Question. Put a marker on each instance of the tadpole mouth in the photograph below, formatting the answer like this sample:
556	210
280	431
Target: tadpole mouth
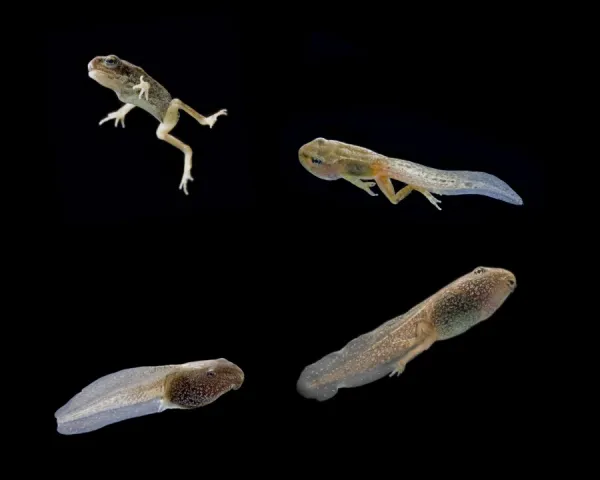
304	159
238	378
237	383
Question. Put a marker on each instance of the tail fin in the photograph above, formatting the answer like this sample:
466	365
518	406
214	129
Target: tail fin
310	384
481	183
99	417
112	398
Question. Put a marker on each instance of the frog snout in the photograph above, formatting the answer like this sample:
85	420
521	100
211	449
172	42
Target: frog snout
93	62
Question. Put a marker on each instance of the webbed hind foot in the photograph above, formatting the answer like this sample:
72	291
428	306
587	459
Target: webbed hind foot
400	366
429	197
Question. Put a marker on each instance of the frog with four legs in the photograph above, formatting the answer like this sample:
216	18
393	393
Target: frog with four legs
135	88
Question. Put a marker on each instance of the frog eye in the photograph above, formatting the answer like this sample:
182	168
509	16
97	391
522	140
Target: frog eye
317	161
110	61
479	270
211	374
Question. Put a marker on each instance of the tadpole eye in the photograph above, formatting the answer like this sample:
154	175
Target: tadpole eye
317	161
211	373
479	270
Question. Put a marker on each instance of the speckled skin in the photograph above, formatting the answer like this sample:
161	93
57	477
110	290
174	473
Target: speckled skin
121	76
333	160
135	88
193	388
139	391
386	350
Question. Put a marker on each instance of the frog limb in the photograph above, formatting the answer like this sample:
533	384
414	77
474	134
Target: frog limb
143	87
426	336
385	185
118	115
366	186
434	201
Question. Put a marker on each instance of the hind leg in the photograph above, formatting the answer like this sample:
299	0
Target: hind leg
386	186
425	337
434	201
162	132
201	119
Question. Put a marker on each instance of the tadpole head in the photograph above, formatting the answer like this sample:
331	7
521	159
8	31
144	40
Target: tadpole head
195	387
315	157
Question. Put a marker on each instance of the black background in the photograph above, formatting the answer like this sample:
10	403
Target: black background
270	267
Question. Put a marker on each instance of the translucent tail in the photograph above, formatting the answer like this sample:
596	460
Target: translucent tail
100	417
113	398
481	183
310	384
322	379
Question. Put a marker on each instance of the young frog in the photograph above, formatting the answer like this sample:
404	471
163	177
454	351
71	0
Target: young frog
135	88
333	160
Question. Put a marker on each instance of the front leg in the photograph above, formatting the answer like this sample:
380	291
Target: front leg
143	87
366	186
385	185
425	337
119	115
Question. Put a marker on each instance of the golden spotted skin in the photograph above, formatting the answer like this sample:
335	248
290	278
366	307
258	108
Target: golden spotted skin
386	350
121	76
